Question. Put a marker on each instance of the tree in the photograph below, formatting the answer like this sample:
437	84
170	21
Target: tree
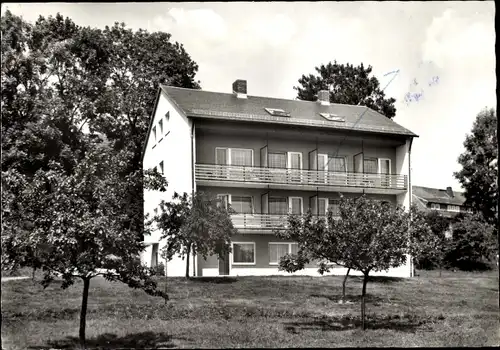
474	245
196	224
369	236
434	245
75	224
139	62
479	173
348	85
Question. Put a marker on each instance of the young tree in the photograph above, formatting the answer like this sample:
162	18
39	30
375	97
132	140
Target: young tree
74	223
347	84
473	246
369	236
196	224
479	173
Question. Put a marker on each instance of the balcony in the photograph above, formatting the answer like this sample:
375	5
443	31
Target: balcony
262	177
259	223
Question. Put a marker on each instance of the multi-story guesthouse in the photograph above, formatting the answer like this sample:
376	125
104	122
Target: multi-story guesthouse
267	157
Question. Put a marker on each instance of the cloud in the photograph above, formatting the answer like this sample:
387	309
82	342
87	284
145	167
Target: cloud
197	23
451	38
276	30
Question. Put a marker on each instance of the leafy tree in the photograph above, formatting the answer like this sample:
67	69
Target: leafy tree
75	224
347	84
434	246
479	173
369	236
139	62
196	224
473	246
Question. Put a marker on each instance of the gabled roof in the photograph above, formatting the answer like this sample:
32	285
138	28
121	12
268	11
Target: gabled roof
218	105
436	195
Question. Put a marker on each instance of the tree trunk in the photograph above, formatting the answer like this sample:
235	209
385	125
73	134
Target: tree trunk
187	260
363	296
83	311
343	284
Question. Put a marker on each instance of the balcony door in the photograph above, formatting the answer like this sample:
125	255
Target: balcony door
277	166
384	169
295	166
338	166
370	169
295	205
322	168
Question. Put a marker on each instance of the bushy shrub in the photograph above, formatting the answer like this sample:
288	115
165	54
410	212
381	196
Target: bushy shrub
473	246
158	270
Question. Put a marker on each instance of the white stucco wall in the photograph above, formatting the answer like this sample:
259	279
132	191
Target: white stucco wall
173	147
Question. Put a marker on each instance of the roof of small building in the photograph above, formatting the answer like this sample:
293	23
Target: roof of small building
437	195
207	104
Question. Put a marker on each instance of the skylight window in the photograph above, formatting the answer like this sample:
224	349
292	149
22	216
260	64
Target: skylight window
277	112
332	117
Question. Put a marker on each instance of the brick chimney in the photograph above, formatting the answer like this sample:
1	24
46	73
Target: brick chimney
324	97
240	88
449	191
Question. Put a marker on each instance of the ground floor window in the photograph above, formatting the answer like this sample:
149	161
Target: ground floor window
244	253
278	250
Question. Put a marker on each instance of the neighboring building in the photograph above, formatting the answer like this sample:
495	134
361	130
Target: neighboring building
447	202
266	157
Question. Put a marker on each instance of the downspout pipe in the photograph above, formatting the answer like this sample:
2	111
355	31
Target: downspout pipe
412	266
195	263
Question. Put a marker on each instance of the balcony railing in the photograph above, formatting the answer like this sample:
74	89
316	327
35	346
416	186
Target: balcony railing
262	222
263	175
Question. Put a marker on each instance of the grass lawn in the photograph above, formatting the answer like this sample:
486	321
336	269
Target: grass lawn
458	309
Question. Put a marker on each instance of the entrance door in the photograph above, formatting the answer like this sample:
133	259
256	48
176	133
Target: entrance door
224	265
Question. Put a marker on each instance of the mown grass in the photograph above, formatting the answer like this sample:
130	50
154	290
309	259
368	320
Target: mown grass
458	309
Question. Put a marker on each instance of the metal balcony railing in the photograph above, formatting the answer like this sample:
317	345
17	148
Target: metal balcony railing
263	175
261	221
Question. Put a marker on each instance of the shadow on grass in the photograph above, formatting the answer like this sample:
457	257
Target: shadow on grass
112	341
406	323
355	298
216	279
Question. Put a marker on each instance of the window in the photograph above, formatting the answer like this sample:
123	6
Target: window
277	160
337	164
242	157
242	204
167	116
370	165
154	169
154	134
453	208
295	205
277	112
279	250
233	156
160	124
334	206
277	205
224	200
435	206
161	167
244	253
322	206
332	117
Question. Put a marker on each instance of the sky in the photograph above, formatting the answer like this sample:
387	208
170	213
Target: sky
444	51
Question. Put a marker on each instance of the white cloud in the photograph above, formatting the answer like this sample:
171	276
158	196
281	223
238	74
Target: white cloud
198	23
451	38
276	30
